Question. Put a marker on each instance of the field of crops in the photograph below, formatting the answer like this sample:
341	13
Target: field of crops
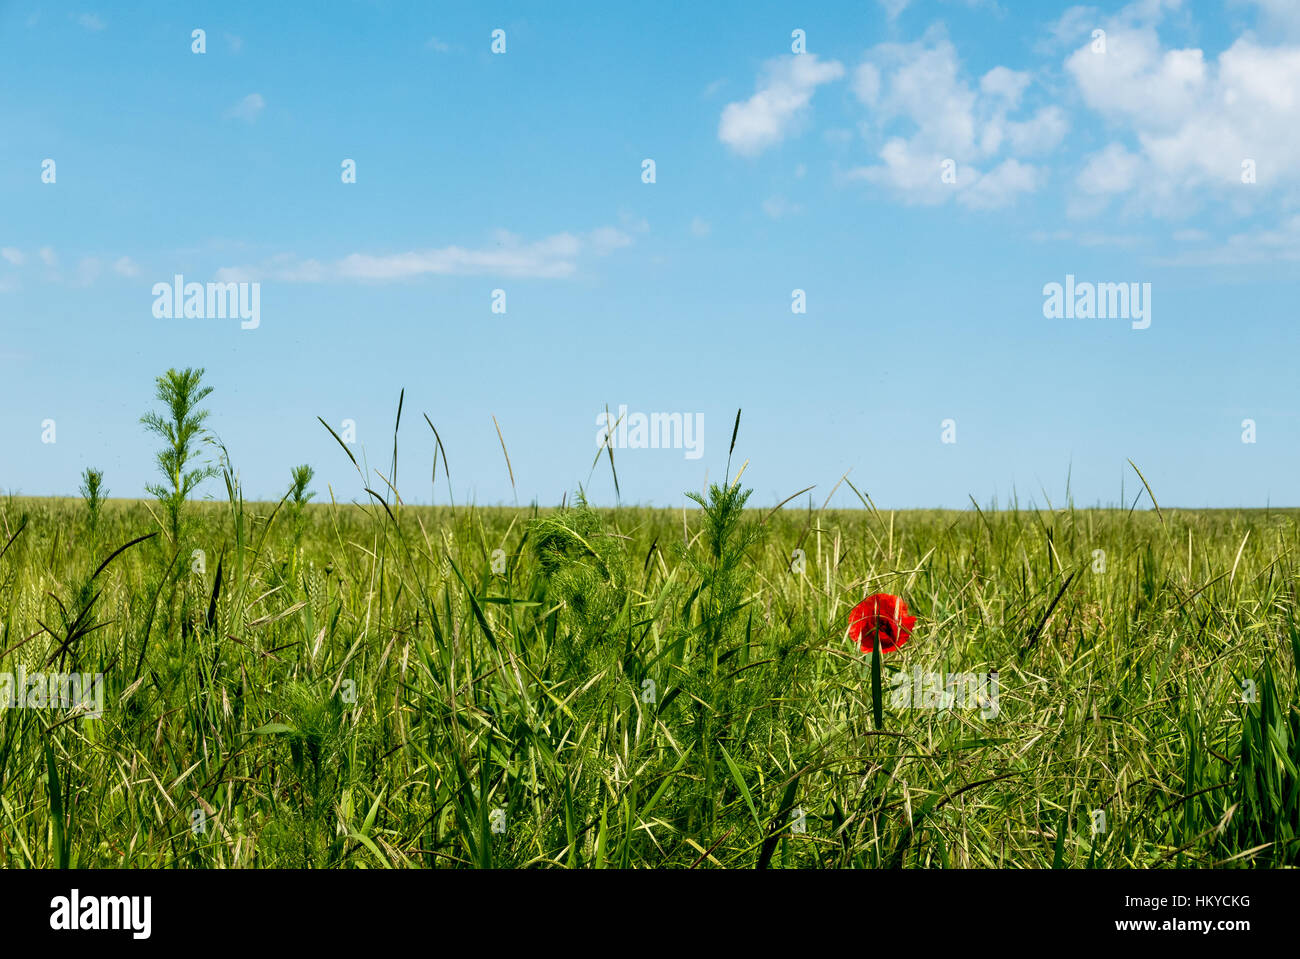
380	685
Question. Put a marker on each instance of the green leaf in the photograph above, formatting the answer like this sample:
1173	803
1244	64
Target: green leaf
271	729
740	784
58	824
601	838
877	698
774	827
1058	855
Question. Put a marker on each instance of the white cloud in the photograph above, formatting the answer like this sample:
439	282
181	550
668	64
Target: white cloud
894	7
1074	24
1280	243
1111	170
1134	79
779	104
247	109
1005	83
1040	133
606	239
1000	186
1191	121
932	119
632	223
913	173
866	83
436	45
778	207
919	83
1276	16
91	21
553	257
88	270
700	227
917	179
284	268
1121	241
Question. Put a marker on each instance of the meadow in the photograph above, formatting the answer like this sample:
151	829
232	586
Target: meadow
380	685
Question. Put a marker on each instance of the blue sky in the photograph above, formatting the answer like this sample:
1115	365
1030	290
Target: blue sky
775	171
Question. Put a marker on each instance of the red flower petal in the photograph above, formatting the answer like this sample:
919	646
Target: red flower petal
883	617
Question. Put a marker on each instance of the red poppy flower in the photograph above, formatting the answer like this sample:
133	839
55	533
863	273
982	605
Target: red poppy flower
880	615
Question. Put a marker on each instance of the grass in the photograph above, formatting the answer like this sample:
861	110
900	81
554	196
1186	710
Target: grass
330	685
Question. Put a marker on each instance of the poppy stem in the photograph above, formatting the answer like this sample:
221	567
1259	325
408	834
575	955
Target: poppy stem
877	700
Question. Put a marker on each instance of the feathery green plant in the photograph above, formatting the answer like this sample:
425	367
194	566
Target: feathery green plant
299	496
94	493
180	426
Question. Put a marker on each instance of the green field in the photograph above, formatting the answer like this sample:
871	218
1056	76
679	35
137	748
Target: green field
381	685
356	686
